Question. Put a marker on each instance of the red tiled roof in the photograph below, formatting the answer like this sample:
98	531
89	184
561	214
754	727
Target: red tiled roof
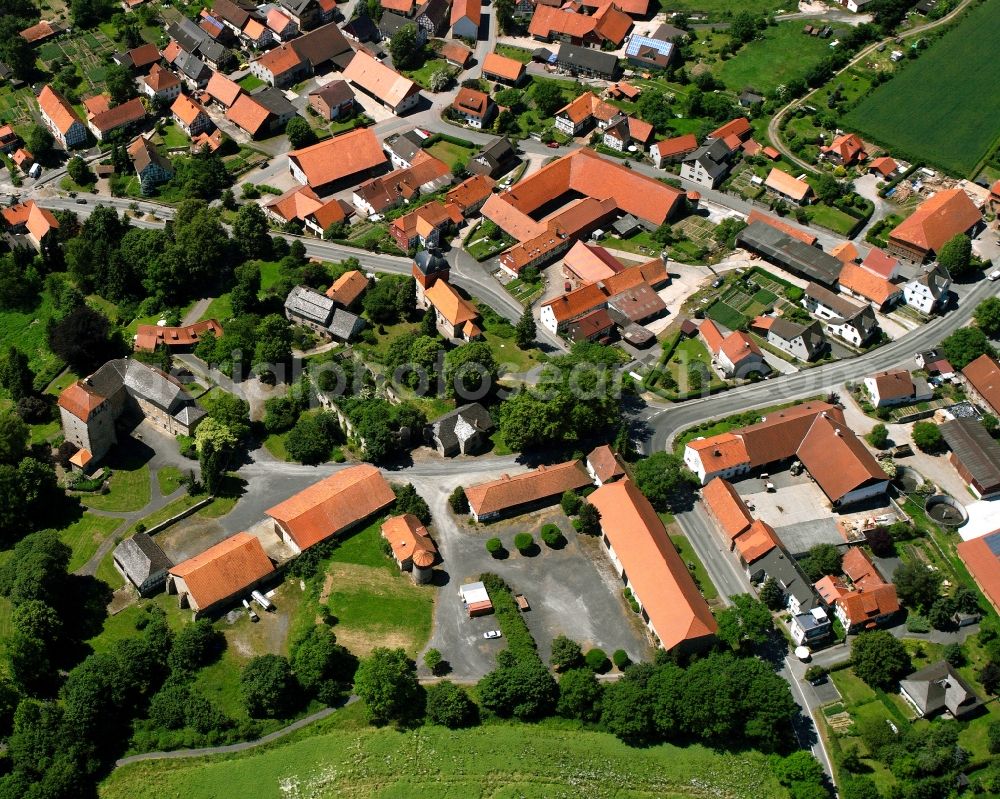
936	220
511	492
80	400
471	9
503	67
859	280
348	287
756	542
740	127
224	570
984	375
983	564
782	182
679	145
56	108
223	89
784	227
837	459
147	337
727	507
333	504
656	573
409	539
339	157
124	114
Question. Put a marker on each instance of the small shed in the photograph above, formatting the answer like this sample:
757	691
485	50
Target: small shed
141	561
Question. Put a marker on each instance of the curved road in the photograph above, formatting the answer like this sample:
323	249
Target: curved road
664	422
773	129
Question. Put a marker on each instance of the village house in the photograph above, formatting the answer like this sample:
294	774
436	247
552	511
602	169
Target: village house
29	219
382	83
708	165
845	150
982	383
332	506
470	195
896	387
183	338
495	160
603	465
346	291
856	324
736	354
60	118
456	317
411	545
975	454
789	188
804	342
501	69
947	214
475	108
814	432
463	431
624	132
938	688
332	101
532	490
337	161
160	84
151	168
190	116
217	576
929	291
865	601
91	408
670	151
466	17
862	284
306	306
142	563
426	226
646	560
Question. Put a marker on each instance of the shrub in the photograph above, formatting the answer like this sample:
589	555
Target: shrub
552	536
523	542
621	659
597	661
495	547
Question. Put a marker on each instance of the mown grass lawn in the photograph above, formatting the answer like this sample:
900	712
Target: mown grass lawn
341	756
943	107
783	52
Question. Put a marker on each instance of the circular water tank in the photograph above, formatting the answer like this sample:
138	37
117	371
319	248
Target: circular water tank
946	511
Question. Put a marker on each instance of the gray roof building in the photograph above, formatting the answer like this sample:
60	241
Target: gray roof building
587	60
937	688
797	257
463	431
974	454
142	563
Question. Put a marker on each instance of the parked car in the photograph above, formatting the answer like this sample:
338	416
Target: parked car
492	634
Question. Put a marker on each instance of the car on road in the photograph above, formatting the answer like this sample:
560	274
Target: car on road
492	634
995	274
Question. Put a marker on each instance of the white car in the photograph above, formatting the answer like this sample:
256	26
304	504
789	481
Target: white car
492	634
994	275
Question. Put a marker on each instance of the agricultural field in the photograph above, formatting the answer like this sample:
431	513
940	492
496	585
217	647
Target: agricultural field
782	53
340	757
943	107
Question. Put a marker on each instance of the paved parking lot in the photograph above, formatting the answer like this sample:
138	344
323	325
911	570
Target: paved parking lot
572	591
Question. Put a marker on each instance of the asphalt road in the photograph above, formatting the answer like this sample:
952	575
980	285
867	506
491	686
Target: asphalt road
664	422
